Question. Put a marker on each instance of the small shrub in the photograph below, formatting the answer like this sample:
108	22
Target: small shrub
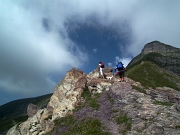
115	111
177	127
91	101
110	99
162	103
139	89
124	123
86	93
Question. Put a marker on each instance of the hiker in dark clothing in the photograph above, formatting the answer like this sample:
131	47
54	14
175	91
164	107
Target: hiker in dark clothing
121	70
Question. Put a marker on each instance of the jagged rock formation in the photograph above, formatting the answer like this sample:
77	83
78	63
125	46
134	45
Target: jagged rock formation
67	93
32	110
66	96
166	56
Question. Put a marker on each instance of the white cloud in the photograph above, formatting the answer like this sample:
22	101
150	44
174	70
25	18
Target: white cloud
31	53
155	20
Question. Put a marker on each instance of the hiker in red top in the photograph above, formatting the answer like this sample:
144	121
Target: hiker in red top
101	67
120	72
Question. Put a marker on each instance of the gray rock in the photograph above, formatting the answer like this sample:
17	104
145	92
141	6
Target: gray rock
32	110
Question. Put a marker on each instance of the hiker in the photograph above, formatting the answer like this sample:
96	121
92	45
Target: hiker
101	67
120	72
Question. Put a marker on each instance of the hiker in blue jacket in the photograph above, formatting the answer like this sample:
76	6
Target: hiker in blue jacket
120	72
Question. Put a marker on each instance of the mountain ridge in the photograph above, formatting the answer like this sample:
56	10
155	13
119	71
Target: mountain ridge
165	56
135	107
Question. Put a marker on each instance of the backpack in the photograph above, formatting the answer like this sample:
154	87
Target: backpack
102	64
120	65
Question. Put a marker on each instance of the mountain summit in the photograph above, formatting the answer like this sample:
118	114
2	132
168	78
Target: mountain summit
159	47
165	56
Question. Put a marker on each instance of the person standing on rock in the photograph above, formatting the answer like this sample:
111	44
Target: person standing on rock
120	72
101	67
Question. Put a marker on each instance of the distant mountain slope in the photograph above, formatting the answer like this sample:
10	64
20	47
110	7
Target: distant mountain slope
151	75
165	56
16	111
19	107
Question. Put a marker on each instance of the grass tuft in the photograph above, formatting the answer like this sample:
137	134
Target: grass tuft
139	89
91	100
79	127
162	103
124	122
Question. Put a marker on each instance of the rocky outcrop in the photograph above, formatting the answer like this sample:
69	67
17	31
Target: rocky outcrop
152	113
159	47
67	94
32	110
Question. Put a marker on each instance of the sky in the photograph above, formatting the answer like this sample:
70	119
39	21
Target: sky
40	40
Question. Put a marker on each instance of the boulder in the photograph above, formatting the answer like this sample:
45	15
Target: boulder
32	110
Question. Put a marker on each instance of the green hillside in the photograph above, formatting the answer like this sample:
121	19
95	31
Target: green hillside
16	111
153	57
151	75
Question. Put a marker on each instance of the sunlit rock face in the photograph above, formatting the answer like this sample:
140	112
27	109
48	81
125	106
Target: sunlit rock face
67	93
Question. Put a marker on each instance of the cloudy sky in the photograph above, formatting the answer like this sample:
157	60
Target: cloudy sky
40	40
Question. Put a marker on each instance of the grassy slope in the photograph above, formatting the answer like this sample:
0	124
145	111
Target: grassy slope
148	57
151	75
155	58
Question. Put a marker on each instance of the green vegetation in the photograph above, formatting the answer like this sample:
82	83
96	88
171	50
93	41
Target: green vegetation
177	127
79	127
147	57
162	103
115	111
90	100
8	123
153	57
139	89
19	107
151	75
124	122
5	125
110	99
